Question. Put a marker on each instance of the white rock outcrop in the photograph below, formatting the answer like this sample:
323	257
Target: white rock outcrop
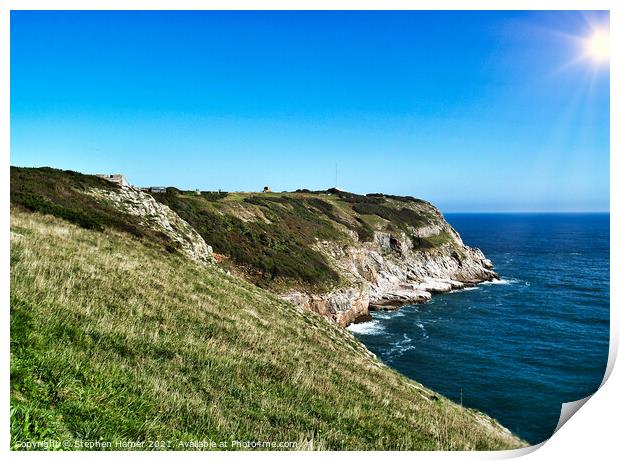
160	218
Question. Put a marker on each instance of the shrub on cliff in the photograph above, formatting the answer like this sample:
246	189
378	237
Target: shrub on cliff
276	252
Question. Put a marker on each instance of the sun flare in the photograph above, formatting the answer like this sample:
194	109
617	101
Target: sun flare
597	45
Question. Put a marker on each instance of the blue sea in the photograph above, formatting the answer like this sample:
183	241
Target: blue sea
516	349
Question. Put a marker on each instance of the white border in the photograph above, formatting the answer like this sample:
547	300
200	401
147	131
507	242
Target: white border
592	434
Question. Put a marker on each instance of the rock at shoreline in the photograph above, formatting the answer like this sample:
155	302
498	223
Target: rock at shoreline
392	272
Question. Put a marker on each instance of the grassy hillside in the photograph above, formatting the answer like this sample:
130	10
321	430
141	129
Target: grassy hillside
266	237
65	194
271	235
114	340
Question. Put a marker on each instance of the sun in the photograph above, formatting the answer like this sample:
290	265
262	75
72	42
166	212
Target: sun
597	46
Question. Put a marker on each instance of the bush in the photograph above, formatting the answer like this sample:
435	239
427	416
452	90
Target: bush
280	250
400	218
363	230
40	204
214	196
399	198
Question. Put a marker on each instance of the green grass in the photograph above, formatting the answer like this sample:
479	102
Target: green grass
400	218
113	340
438	239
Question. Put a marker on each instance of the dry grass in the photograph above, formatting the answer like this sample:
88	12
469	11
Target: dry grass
113	340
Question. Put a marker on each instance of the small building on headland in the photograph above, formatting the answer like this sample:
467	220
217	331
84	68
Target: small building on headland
266	189
119	179
155	189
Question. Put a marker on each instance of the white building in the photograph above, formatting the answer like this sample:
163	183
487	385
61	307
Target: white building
119	179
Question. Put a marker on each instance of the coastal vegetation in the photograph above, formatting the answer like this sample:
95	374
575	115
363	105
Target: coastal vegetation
272	236
114	340
65	194
269	238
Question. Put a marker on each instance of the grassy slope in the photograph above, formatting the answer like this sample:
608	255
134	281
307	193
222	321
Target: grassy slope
112	339
65	194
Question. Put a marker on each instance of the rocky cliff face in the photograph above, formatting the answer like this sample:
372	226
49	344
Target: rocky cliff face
337	253
344	306
158	217
391	271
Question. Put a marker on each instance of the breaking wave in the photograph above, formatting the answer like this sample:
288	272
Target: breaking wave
384	315
500	282
373	327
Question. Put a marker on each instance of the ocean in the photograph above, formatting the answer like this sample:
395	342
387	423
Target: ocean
518	348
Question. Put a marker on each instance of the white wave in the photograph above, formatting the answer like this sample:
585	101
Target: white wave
469	288
366	328
500	282
384	315
402	346
420	325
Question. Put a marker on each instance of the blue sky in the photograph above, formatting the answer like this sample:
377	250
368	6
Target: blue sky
475	111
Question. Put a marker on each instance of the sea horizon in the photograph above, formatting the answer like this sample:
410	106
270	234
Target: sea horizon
525	212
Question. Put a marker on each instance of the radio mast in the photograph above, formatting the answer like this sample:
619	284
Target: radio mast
336	175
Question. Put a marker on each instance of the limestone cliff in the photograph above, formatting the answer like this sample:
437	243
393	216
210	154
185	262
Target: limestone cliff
390	271
333	252
158	217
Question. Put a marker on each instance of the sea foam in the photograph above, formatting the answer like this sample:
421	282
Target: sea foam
500	282
402	346
366	328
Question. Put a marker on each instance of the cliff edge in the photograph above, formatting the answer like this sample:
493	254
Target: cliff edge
336	253
339	254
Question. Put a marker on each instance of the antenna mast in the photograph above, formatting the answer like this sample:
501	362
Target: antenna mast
336	175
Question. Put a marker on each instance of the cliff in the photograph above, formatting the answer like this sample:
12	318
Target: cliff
390	271
152	215
339	254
